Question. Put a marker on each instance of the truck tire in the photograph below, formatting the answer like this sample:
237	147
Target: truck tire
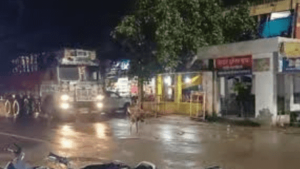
16	108
7	106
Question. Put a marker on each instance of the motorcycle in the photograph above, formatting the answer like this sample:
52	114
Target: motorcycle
18	162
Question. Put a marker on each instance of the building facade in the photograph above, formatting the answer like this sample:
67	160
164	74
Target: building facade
271	66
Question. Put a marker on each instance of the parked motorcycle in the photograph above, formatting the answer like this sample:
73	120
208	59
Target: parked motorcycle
19	163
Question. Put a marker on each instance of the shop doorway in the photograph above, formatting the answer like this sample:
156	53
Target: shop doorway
237	96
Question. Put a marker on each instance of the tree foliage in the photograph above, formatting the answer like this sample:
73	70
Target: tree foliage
162	35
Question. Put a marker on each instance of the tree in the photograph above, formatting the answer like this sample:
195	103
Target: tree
162	35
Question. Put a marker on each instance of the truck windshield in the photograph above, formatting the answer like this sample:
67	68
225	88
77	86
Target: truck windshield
68	73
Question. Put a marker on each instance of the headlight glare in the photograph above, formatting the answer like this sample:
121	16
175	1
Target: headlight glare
65	106
65	97
99	105
100	97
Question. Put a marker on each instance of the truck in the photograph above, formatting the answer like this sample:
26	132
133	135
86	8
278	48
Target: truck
55	84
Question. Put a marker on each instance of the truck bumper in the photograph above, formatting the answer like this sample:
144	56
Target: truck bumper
81	107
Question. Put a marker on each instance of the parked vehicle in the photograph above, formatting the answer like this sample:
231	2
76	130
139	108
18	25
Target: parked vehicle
18	162
53	83
114	102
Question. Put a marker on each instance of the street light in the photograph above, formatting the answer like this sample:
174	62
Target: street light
188	80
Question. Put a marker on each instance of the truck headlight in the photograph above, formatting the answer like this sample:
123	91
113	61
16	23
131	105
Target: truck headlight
64	97
64	105
100	97
99	105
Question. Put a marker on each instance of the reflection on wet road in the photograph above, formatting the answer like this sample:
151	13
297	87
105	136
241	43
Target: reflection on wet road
170	142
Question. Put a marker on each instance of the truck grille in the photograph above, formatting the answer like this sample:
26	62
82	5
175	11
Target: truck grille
84	95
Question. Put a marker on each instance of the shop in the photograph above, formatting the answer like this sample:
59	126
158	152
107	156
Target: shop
267	70
236	78
117	80
289	77
181	92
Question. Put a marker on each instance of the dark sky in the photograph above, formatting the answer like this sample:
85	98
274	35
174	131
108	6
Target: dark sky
28	26
39	25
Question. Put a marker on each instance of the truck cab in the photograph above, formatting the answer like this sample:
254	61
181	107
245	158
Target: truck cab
77	87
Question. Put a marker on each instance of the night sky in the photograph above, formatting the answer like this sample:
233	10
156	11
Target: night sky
28	26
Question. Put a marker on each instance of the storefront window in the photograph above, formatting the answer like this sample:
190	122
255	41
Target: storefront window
168	87
191	84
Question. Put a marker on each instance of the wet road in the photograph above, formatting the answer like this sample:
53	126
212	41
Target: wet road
171	142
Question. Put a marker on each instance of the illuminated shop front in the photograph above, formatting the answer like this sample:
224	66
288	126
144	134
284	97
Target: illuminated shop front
173	91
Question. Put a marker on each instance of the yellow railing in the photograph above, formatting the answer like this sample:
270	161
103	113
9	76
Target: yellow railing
173	107
177	105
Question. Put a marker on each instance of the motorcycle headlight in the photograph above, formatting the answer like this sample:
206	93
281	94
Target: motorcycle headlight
64	97
100	97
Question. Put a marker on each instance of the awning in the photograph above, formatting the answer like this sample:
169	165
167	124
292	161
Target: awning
195	81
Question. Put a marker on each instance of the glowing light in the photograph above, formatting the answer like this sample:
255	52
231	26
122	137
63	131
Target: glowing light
169	91
66	137
66	143
65	97
100	97
67	130
100	105
168	80
100	130
188	80
65	105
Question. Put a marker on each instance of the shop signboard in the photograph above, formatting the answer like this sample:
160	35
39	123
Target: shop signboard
290	49
118	68
290	64
234	66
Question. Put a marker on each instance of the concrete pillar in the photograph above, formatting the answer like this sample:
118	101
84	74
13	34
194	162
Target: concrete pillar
159	87
287	92
266	87
216	97
212	95
178	88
